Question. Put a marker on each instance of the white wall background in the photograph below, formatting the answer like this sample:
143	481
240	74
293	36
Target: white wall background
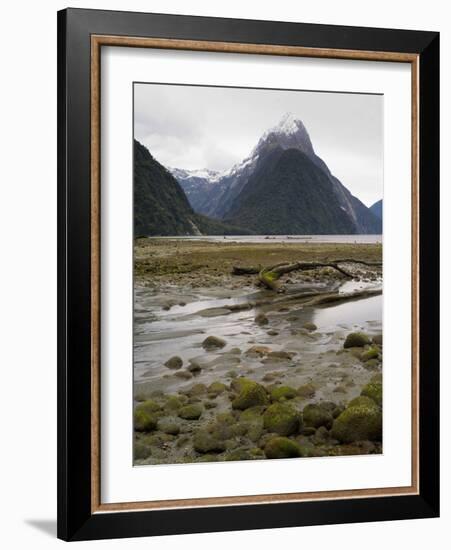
28	271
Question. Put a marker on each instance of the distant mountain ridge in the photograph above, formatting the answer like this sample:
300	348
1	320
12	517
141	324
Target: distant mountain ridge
220	195
161	206
377	209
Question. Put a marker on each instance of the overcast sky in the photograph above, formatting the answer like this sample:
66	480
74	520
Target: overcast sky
196	127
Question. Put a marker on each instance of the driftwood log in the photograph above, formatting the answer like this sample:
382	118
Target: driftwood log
269	276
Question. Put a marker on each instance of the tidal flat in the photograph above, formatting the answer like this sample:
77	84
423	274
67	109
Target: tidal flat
226	369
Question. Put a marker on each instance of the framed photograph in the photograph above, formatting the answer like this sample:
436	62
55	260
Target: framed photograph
248	274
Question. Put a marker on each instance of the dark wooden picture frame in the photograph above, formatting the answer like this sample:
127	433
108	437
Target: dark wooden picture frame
81	35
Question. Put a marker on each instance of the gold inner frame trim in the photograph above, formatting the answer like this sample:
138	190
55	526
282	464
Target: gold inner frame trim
97	41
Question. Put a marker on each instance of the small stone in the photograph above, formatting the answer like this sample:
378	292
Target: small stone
309	326
175	363
216	388
261	319
213	342
194	367
370	353
356	340
281	355
307	390
261	351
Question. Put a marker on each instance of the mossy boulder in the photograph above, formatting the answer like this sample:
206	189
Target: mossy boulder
282	418
141	450
358	423
250	394
191	412
143	421
282	393
282	447
168	426
356	340
213	342
196	390
373	390
174	362
335	409
362	400
253	414
174	403
205	442
370	353
216	388
314	416
307	390
377	339
149	406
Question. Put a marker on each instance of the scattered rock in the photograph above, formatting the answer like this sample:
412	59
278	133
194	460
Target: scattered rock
216	388
314	416
213	342
175	363
358	423
194	367
361	400
370	353
282	447
377	339
141	450
284	355
168	426
273	332
282	393
191	412
261	319
356	340
261	351
204	442
309	326
307	390
143	421
250	394
373	390
282	418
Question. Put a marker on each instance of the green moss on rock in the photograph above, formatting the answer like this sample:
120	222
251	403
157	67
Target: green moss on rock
358	423
283	392
250	394
315	415
362	400
356	340
205	442
216	388
143	421
282	418
141	450
191	412
370	353
282	447
149	406
373	390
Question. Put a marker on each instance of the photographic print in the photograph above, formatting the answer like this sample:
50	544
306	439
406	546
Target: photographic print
257	274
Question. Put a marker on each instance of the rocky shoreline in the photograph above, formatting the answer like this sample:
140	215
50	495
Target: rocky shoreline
277	379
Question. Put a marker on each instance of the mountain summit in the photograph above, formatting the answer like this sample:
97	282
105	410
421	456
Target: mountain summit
222	196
